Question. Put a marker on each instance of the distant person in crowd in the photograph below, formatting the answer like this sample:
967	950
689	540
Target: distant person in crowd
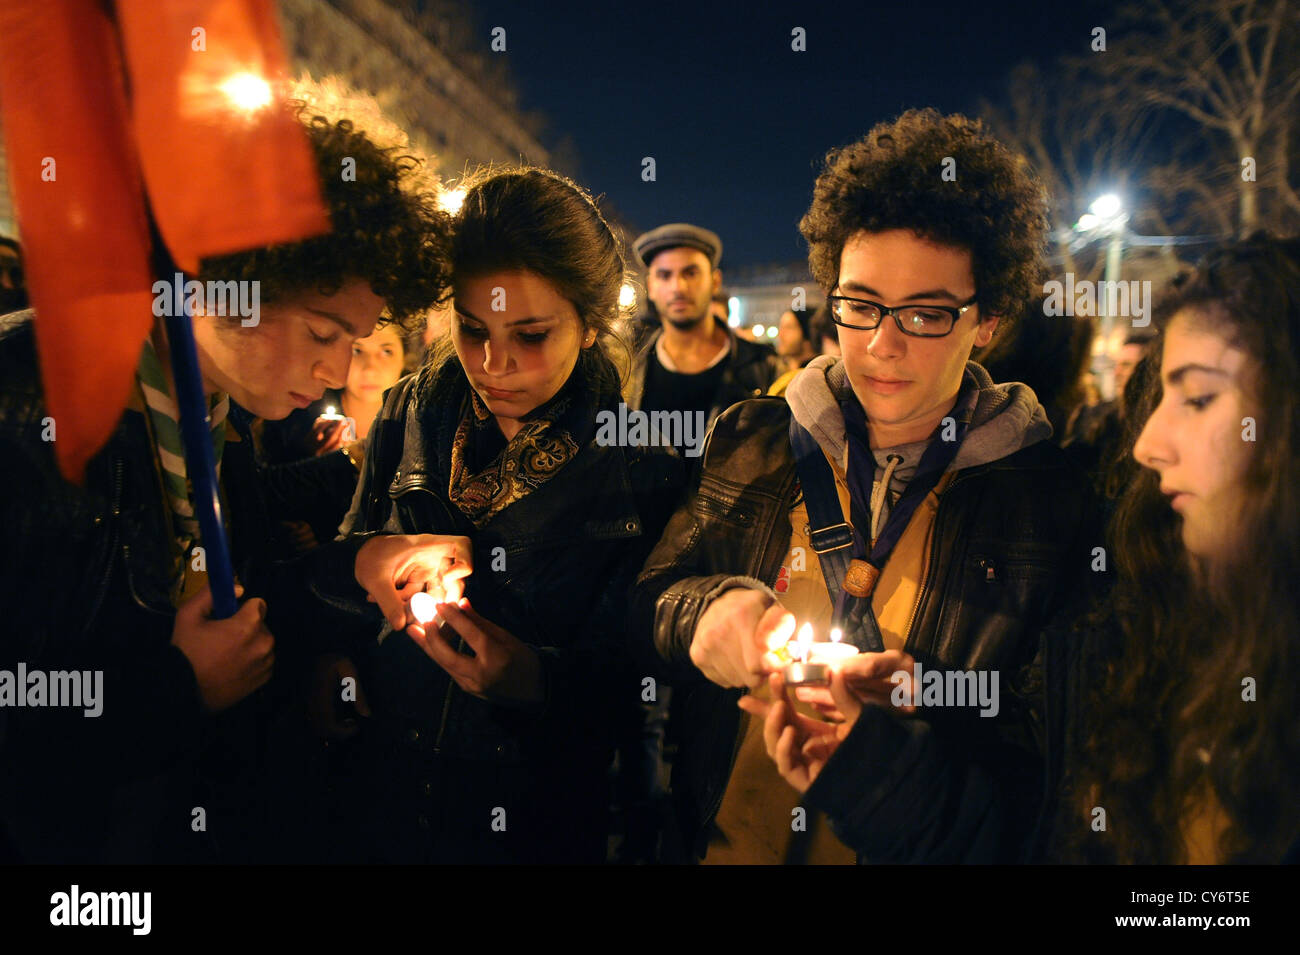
378	361
1130	353
13	288
182	723
332	431
493	731
1094	434
825	335
1088	384
1172	708
898	494
794	342
693	364
1047	353
794	345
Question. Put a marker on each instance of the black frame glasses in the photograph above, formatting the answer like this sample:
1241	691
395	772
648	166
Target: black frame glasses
834	306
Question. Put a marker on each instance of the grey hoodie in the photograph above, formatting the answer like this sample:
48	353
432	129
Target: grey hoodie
1007	418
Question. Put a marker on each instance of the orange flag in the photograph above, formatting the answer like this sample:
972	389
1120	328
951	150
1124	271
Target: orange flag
202	133
225	167
80	210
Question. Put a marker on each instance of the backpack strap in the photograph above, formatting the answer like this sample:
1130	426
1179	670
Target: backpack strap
830	535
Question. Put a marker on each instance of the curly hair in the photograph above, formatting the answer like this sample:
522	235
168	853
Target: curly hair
388	229
1165	719
892	179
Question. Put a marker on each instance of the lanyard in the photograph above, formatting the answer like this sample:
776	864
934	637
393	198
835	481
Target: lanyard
853	602
851	578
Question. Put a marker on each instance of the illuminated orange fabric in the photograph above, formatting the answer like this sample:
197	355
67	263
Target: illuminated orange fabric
80	212
219	178
225	167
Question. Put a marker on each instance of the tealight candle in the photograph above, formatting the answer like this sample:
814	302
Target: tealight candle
815	660
423	608
350	426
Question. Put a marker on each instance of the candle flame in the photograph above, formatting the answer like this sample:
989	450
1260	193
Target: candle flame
422	606
805	641
836	634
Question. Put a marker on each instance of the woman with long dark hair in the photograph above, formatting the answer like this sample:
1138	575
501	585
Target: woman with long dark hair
492	734
1170	730
1191	743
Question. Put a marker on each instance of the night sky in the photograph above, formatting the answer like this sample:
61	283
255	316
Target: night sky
736	121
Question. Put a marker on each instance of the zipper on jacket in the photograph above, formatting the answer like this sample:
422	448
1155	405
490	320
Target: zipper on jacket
928	577
115	509
931	558
446	710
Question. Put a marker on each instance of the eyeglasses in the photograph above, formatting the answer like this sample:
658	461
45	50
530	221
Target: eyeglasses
920	321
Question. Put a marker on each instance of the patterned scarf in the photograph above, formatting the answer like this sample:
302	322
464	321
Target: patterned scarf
165	417
552	435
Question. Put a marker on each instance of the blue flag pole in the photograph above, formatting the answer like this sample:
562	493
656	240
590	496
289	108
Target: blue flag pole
200	461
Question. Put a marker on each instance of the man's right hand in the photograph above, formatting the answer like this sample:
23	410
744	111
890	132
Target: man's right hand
232	657
735	635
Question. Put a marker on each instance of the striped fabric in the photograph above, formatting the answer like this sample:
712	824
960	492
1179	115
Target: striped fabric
165	415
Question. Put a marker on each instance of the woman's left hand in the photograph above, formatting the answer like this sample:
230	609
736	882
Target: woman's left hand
504	669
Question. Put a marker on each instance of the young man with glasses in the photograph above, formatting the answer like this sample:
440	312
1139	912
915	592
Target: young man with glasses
900	496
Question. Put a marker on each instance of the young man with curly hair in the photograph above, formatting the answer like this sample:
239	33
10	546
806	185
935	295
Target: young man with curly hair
104	579
900	495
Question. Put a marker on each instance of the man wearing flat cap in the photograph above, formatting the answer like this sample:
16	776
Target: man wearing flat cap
692	362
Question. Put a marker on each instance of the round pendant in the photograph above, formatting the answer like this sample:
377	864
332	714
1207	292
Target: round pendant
861	577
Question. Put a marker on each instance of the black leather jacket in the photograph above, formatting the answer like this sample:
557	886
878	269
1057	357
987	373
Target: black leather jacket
1010	542
555	570
84	584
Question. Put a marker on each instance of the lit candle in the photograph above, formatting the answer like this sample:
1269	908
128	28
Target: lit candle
350	426
834	652
423	609
804	639
814	660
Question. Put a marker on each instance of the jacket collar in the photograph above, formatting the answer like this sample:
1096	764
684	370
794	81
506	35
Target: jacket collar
605	506
1007	417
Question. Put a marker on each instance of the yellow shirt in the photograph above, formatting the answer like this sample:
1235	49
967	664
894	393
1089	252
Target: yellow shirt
1204	822
754	822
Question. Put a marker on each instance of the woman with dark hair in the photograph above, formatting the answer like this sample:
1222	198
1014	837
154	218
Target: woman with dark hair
493	732
1170	724
1190	740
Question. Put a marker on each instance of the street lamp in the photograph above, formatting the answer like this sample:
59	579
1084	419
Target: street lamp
1106	216
1108	206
